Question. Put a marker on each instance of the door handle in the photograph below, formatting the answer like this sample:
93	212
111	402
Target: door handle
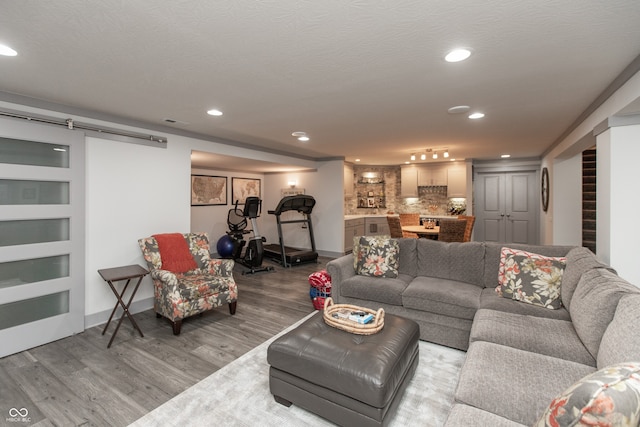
502	214
508	215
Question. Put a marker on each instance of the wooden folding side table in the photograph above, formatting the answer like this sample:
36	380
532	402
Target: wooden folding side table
117	274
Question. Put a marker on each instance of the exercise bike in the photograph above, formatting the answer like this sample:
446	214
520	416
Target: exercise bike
237	222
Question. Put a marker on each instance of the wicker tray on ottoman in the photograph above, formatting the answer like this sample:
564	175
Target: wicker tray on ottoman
351	380
331	310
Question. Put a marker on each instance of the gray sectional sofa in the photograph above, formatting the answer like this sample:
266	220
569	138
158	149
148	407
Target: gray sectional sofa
519	356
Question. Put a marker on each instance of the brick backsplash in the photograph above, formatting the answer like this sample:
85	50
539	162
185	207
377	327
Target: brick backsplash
430	199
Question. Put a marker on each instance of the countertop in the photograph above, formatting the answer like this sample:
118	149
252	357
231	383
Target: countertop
423	215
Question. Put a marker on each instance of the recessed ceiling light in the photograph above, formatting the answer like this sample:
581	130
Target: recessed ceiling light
357	160
7	51
505	156
302	136
459	109
457	55
475	116
214	112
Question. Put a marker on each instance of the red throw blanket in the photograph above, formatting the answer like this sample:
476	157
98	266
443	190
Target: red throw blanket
174	253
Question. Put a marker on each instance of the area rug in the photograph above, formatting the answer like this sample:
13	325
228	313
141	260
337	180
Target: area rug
238	395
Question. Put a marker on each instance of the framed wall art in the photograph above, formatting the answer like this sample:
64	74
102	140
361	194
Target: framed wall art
291	191
208	190
241	188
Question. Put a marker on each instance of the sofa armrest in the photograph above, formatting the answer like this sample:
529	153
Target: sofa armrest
340	269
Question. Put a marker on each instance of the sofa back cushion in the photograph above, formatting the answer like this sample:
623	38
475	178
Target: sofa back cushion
408	260
579	260
463	262
594	304
492	257
621	341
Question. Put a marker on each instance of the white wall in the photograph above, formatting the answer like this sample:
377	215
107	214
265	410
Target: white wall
603	197
566	196
617	200
326	186
133	191
213	219
612	238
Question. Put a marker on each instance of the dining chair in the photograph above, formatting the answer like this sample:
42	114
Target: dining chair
409	219
395	228
452	230
469	229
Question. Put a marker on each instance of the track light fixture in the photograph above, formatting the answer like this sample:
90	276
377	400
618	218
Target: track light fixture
429	151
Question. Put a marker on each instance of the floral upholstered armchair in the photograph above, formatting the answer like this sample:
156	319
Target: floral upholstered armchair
186	279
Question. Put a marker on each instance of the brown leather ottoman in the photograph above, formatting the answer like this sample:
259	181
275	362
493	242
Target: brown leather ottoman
351	380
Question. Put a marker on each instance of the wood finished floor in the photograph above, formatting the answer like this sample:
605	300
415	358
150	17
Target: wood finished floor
77	381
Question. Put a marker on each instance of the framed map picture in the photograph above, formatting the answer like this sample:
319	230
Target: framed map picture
208	190
243	188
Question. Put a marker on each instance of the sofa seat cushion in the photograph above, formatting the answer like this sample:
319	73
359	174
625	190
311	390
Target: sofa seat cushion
448	297
490	300
621	340
598	291
379	289
513	383
550	337
465	416
463	262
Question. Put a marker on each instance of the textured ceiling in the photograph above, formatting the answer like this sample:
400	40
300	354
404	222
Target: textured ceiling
365	79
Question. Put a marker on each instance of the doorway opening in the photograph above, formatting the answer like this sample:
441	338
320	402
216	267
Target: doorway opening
589	175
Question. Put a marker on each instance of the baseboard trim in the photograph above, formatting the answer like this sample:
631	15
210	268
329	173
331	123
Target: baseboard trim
330	254
95	319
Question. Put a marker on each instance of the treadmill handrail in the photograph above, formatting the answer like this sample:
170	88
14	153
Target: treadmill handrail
302	203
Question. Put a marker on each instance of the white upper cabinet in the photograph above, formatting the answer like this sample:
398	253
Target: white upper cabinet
408	181
432	175
348	180
457	180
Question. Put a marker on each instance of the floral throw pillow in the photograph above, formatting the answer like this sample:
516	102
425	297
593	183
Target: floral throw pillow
375	256
531	278
608	397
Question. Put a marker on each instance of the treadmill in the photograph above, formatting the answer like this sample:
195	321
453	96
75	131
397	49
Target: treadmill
285	255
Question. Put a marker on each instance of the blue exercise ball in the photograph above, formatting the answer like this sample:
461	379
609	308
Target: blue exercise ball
225	246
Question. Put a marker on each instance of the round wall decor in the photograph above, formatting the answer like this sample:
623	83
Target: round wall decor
545	189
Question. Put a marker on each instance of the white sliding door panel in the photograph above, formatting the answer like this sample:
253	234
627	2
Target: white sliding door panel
41	234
